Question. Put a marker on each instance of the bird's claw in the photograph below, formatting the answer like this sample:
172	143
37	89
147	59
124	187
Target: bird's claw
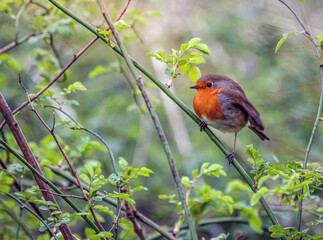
202	126
230	157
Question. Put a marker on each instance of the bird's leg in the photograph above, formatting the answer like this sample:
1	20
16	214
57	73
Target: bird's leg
230	157
202	126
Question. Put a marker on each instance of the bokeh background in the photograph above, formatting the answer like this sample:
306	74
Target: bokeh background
241	35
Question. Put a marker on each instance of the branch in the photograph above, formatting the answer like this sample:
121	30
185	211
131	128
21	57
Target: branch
162	136
11	213
45	180
138	215
16	43
29	156
113	162
319	110
69	64
32	212
51	131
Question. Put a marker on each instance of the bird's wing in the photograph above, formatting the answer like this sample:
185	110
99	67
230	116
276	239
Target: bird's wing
239	99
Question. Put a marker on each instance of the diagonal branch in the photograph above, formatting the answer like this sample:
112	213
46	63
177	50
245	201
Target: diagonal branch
79	54
29	156
156	121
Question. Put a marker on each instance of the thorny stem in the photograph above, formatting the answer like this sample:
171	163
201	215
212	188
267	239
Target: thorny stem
319	110
155	119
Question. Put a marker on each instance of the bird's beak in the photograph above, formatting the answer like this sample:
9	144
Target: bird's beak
195	87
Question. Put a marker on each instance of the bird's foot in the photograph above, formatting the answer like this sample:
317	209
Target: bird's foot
230	157
202	126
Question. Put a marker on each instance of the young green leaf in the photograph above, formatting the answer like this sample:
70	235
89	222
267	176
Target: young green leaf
194	73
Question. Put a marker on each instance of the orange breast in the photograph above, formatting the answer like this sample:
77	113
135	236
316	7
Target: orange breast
206	103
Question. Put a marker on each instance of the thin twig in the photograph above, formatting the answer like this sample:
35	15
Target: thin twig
112	158
50	184
16	43
79	54
61	195
21	223
108	200
155	119
51	131
319	110
32	212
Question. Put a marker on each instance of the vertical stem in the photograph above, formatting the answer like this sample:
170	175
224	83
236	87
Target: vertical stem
155	119
317	119
163	139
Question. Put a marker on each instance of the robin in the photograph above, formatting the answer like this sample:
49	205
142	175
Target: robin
221	103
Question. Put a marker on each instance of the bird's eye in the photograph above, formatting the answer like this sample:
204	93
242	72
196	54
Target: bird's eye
209	84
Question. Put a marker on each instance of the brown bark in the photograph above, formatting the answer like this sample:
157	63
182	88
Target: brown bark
29	156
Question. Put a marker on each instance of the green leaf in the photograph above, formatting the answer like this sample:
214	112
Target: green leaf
184	47
97	71
14	64
90	170
158	58
204	166
255	223
194	73
185	68
256	196
169	70
275	228
61	123
123	196
104	209
123	163
85	178
144	172
197	60
277	234
194	173
76	86
280	43
186	181
113	178
193	42
121	25
162	54
203	48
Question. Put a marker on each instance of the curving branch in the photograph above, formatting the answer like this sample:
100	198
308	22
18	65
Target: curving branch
319	109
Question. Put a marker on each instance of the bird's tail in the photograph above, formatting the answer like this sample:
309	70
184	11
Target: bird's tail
259	133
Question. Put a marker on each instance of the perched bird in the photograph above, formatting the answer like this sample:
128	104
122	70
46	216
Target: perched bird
221	103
